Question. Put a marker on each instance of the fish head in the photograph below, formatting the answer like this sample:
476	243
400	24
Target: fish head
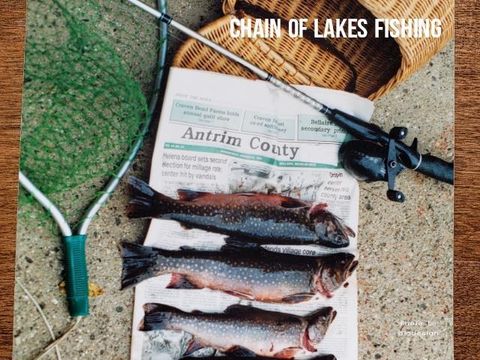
317	328
332	272
330	229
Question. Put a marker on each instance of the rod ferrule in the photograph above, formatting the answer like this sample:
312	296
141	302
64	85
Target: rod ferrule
165	18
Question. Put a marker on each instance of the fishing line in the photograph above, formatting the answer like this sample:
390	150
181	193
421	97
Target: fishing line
57	341
42	314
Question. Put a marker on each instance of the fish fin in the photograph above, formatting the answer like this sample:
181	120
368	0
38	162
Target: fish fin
150	308
325	311
240	351
306	342
291	203
188	248
327	357
287	353
297	298
193	346
349	231
185	226
180	281
141	325
240	294
156	317
189	195
140	187
234	245
247	194
146	202
138	263
154	308
238	310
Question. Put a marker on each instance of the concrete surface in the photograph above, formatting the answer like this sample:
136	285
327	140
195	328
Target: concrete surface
405	272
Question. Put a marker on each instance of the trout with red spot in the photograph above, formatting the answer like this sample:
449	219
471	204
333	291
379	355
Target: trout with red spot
244	331
245	274
250	217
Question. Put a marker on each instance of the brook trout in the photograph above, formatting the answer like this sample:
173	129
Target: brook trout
254	217
241	332
249	275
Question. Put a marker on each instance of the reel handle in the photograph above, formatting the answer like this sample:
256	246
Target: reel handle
437	168
430	166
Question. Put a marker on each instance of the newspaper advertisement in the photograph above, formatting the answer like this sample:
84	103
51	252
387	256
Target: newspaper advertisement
225	134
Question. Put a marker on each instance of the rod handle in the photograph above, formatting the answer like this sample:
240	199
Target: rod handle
356	127
437	168
76	282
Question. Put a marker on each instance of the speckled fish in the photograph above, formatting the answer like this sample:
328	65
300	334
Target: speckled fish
254	217
240	332
249	275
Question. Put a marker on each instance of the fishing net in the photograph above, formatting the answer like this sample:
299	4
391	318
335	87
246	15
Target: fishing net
90	68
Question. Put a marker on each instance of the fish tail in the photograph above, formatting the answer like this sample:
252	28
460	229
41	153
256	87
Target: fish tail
146	202
156	317
153	308
139	263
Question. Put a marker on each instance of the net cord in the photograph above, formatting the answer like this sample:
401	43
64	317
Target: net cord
113	183
115	180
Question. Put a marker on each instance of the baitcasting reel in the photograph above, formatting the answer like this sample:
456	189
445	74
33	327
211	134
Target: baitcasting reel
370	161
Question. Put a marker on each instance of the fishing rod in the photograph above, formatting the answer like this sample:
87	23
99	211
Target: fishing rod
375	156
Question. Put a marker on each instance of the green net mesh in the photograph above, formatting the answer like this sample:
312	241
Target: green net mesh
90	68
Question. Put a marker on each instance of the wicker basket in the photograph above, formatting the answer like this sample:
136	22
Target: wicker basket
370	67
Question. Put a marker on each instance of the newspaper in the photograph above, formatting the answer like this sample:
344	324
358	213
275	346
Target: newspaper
227	134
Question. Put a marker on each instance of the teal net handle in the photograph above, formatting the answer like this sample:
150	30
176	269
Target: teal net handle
76	280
